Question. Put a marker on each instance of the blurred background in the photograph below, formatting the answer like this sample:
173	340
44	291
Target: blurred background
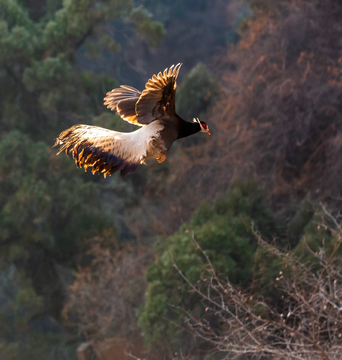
94	268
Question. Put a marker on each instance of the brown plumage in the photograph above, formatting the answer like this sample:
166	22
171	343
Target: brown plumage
107	151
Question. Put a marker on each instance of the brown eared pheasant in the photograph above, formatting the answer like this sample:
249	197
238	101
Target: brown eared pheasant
107	151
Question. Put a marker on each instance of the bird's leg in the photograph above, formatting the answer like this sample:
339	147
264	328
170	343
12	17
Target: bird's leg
161	158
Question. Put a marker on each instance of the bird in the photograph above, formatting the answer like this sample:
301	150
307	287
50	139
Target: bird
153	109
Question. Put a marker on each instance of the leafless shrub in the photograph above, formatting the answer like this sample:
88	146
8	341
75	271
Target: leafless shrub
104	296
303	322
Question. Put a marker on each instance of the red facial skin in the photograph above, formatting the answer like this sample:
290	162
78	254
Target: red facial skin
205	127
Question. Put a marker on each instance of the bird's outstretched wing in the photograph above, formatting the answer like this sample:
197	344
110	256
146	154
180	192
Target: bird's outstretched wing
154	102
106	151
123	101
158	98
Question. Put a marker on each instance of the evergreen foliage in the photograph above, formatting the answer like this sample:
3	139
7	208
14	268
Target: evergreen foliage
48	209
227	232
223	232
198	92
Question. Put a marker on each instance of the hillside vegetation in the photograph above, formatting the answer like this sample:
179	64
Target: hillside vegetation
231	248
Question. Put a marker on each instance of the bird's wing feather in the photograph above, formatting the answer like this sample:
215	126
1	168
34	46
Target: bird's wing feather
153	103
106	151
123	100
158	98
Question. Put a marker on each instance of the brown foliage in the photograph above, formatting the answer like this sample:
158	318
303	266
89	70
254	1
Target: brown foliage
104	296
279	120
281	117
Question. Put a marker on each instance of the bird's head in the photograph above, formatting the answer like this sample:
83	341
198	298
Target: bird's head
203	125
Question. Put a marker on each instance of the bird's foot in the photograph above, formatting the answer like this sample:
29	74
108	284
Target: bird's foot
162	158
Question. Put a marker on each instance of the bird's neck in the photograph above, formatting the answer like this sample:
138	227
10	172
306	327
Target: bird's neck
188	128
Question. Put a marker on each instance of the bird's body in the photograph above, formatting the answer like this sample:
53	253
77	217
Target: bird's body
107	151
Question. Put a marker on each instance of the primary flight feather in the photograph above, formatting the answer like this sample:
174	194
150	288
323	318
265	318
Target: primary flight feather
108	151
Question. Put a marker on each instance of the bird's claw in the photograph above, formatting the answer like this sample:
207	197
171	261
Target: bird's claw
162	158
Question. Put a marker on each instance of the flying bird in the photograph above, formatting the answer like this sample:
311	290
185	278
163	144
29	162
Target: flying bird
108	151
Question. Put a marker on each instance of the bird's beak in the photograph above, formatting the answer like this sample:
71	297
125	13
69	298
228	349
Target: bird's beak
208	131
